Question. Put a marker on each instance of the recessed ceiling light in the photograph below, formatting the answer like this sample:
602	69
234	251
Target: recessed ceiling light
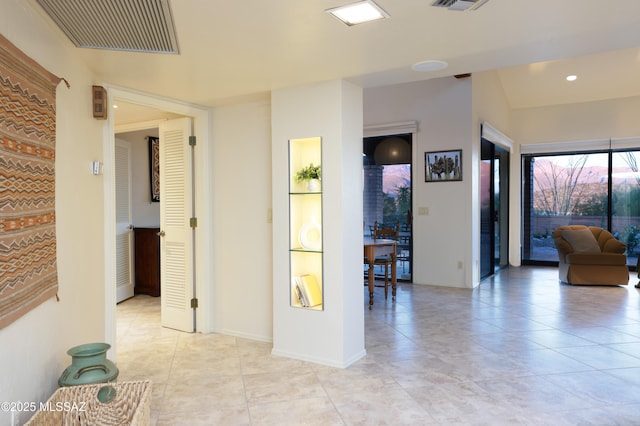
572	77
428	66
115	106
358	13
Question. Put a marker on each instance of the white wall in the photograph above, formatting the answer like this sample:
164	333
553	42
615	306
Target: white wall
490	105
242	259
444	237
615	118
145	213
34	348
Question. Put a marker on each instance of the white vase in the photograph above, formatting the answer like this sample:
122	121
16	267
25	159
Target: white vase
313	185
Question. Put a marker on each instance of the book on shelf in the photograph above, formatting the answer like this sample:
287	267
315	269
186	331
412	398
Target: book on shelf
298	292
308	290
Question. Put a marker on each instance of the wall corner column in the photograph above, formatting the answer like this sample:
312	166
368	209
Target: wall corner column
334	334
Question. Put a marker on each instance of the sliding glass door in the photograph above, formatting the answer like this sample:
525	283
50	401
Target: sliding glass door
597	188
494	208
625	201
387	192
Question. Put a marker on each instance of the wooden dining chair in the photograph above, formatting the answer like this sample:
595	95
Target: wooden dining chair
380	233
404	246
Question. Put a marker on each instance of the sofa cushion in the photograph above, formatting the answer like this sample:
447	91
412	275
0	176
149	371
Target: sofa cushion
597	259
581	240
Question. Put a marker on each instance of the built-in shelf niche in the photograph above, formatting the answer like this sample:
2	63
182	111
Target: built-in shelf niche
305	226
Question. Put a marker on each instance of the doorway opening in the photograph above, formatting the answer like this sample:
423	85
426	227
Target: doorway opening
137	216
494	208
201	163
387	198
160	207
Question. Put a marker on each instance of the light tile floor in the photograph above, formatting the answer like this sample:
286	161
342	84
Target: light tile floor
519	349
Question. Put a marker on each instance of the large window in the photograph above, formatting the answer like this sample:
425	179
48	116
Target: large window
587	188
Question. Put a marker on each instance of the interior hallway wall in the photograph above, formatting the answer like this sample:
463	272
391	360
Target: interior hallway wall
145	213
34	347
490	105
242	255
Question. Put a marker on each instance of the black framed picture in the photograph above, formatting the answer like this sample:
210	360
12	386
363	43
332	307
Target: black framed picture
443	166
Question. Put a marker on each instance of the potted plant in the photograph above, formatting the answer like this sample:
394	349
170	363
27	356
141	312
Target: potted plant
310	174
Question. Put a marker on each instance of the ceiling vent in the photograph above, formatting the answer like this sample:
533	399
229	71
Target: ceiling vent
459	4
134	25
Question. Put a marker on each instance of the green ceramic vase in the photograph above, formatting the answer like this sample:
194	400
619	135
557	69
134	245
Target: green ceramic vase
89	364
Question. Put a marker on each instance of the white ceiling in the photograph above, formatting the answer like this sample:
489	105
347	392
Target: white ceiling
132	117
232	51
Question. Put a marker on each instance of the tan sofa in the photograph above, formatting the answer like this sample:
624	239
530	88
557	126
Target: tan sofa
591	261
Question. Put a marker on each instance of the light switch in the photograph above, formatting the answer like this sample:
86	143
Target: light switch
95	167
423	211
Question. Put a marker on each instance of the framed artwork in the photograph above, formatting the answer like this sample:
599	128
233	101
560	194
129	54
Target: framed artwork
154	167
443	166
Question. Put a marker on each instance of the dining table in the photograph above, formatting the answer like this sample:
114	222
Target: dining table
380	247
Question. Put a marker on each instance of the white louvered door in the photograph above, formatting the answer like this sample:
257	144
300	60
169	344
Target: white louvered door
176	242
124	276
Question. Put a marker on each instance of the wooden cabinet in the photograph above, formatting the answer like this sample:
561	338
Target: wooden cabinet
147	261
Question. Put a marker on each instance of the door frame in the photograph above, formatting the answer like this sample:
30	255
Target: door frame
202	180
499	139
401	128
498	216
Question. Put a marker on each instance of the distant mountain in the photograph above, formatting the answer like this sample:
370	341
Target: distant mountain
546	178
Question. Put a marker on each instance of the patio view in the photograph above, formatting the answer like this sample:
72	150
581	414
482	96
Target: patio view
396	194
386	168
594	189
396	208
